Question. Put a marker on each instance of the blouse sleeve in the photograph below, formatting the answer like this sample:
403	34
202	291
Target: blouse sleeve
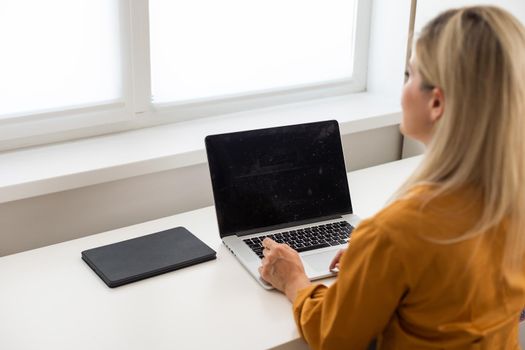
358	305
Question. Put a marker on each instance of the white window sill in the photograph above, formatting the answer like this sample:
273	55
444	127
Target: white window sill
47	169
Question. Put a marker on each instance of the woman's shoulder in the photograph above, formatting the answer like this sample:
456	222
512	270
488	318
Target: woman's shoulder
427	212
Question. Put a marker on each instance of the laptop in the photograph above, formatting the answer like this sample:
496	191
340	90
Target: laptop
288	183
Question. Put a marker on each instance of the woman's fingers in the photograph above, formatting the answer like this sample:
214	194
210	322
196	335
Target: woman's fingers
266	268
273	249
264	272
269	243
335	261
280	263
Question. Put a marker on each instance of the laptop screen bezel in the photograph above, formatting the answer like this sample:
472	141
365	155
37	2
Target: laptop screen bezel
324	124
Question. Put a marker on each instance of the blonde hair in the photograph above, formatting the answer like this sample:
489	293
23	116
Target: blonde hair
476	55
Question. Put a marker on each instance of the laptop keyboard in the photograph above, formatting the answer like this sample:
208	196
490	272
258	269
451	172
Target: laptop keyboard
305	239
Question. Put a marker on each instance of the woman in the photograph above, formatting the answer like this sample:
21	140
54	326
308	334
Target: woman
441	267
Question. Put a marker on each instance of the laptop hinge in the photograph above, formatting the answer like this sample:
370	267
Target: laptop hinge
288	224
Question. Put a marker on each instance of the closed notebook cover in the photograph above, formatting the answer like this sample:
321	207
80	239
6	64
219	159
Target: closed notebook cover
142	257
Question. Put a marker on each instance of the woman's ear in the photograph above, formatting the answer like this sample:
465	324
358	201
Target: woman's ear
437	104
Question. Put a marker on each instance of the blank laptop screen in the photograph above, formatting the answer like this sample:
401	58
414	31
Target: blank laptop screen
277	176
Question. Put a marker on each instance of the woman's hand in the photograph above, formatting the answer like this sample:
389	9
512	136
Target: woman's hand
282	268
335	261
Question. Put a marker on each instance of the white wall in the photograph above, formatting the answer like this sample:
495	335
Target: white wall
427	9
388	43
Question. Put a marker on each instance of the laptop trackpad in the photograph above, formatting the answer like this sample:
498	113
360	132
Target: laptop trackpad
319	261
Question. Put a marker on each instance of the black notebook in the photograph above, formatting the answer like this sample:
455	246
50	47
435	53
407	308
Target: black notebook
142	257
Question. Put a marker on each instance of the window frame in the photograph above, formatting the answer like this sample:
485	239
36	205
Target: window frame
186	110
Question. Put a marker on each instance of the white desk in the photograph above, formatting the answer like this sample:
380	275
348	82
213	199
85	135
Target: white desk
50	299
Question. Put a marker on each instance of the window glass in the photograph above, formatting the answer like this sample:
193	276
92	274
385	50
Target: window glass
207	48
58	54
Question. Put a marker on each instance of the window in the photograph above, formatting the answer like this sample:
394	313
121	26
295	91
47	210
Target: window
96	66
58	55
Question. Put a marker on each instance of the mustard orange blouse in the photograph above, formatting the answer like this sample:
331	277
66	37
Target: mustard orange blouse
400	283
